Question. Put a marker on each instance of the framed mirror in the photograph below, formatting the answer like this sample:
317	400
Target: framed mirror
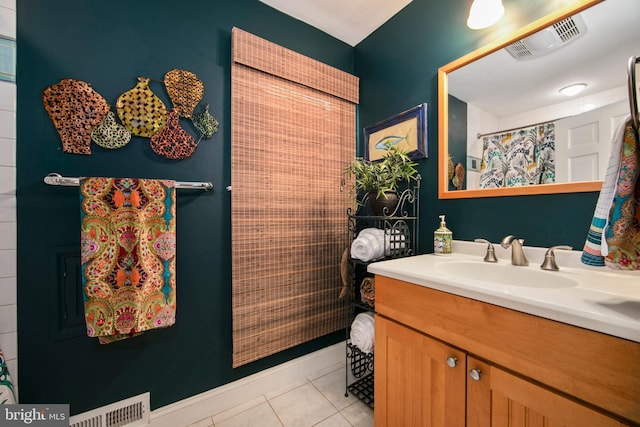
511	88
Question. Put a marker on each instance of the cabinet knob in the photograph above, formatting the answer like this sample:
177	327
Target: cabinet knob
452	361
475	374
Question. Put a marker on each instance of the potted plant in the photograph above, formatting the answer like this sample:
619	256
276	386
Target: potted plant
380	179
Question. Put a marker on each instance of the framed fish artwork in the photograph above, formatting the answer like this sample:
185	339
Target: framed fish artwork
407	130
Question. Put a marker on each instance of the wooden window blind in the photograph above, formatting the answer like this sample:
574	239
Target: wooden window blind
293	133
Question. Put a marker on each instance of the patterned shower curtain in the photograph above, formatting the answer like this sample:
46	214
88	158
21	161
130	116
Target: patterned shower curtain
7	392
128	245
520	157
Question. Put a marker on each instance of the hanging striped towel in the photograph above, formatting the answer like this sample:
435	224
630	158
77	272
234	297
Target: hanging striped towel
623	233
595	247
128	248
7	394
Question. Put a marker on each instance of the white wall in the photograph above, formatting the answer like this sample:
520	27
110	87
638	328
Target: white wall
8	229
570	107
478	121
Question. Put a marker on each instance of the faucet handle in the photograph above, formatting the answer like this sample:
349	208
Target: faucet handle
491	252
549	262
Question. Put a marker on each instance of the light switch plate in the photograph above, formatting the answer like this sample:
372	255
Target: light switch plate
473	164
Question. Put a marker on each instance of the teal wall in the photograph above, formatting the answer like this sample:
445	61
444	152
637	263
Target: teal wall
398	65
108	44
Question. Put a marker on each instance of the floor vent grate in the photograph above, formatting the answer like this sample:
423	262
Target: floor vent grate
130	412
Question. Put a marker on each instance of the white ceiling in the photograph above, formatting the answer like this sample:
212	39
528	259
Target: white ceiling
614	34
348	20
599	58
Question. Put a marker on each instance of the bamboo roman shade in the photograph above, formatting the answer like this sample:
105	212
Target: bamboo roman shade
293	133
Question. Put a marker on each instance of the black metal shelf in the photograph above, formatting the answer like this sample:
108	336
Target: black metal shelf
363	389
359	362
402	227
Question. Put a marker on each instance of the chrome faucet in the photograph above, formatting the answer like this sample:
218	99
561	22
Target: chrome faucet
517	253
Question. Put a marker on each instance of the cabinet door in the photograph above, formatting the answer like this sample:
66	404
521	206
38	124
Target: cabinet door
414	384
499	398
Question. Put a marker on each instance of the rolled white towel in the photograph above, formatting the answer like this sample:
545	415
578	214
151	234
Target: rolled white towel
369	245
361	333
373	243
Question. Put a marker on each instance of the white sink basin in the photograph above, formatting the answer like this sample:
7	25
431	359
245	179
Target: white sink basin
596	298
505	274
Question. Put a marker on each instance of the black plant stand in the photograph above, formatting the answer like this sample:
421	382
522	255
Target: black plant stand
401	233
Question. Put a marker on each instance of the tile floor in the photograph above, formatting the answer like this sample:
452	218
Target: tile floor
317	401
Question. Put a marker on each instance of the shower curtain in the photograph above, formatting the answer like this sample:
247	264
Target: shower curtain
519	157
7	393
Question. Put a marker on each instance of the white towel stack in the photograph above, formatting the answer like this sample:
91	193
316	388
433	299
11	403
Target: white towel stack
362	331
373	243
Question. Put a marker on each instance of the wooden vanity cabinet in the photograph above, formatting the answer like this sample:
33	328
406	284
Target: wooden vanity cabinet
532	370
500	398
415	386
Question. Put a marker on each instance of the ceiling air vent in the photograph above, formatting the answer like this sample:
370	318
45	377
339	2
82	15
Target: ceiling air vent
548	39
519	49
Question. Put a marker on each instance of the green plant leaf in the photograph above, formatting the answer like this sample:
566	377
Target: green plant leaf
383	175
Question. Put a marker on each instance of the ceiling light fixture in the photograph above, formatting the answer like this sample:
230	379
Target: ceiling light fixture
484	13
573	90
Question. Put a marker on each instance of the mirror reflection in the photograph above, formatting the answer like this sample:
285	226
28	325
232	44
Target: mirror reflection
507	125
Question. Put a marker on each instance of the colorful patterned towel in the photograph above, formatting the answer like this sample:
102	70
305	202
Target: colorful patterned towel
7	394
128	256
595	248
623	234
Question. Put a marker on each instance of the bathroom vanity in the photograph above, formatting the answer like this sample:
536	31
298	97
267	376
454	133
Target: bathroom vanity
522	347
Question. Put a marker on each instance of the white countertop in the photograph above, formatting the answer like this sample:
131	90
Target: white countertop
599	299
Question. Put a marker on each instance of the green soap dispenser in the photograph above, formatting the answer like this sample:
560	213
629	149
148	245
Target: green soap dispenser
442	238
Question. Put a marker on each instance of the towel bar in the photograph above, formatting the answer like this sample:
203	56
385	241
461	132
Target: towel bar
57	179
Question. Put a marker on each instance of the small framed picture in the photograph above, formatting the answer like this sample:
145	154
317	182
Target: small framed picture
407	130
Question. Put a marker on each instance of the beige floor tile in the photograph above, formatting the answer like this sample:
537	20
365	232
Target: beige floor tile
229	413
207	422
336	420
358	414
285	389
316	402
332	386
325	371
261	415
302	407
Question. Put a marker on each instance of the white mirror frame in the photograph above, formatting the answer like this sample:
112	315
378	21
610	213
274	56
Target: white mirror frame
443	116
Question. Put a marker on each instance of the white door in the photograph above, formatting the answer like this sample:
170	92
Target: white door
583	141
